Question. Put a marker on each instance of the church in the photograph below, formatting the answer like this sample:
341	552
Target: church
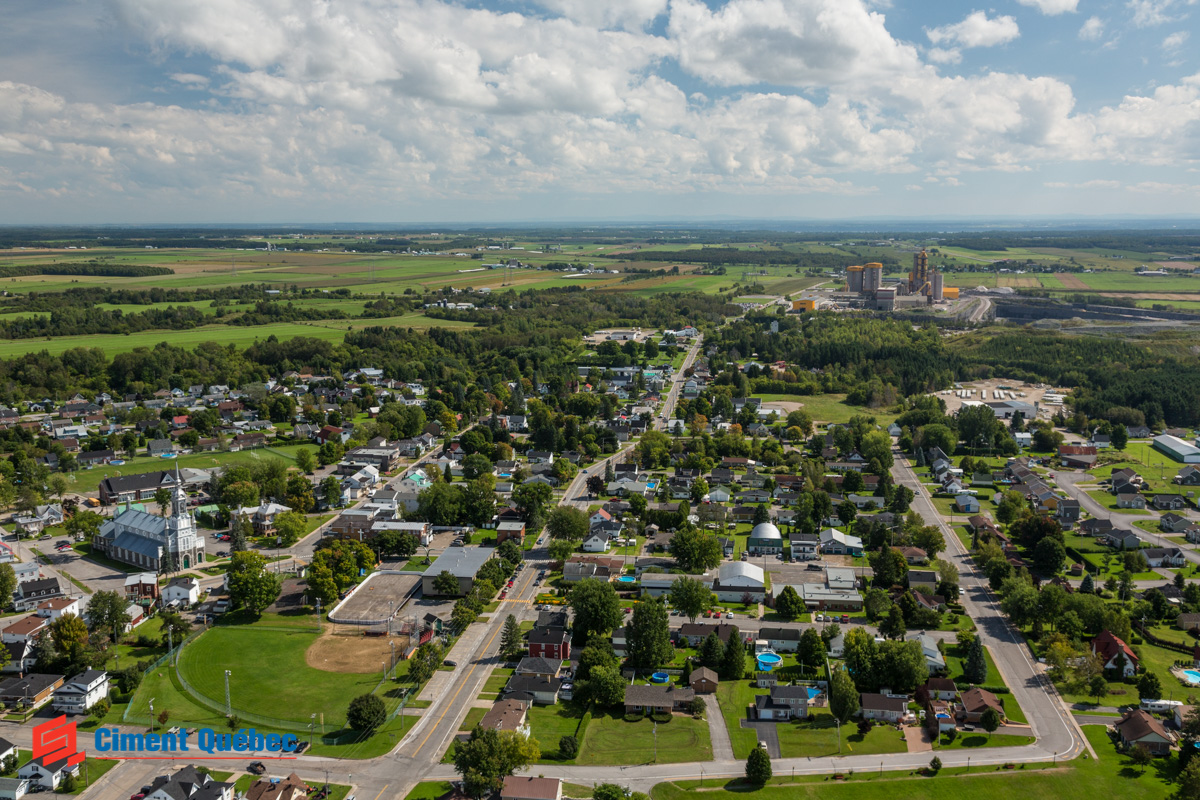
142	539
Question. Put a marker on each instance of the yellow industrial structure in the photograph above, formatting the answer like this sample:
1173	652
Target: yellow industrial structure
804	305
950	292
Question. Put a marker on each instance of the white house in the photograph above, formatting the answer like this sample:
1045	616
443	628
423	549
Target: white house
46	773
57	607
184	590
82	692
933	657
189	784
596	543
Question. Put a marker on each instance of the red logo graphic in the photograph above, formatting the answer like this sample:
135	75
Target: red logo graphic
55	739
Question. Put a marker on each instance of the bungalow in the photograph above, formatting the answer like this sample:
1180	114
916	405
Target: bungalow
506	715
1111	650
694	633
1169	502
1139	728
1130	500
657	699
540	690
926	579
782	704
914	556
29	691
976	702
882	707
1164	557
1173	523
1188	476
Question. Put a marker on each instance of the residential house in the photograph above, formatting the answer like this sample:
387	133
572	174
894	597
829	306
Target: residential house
923	579
506	715
1131	500
290	788
82	692
1139	728
937	688
913	556
538	667
142	588
1122	539
183	591
540	690
550	642
1173	523
835	542
804	546
657	699
510	529
1164	557
929	647
786	640
782	704
29	691
528	787
46	773
32	593
1188	476
882	707
1111	650
189	784
694	633
262	517
1169	502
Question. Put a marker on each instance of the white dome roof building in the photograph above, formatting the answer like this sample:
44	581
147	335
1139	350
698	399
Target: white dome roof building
765	539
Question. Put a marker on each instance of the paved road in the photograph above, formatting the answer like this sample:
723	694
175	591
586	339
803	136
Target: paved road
1069	483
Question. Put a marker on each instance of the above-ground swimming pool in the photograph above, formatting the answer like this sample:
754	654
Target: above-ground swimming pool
768	661
1193	676
660	677
626	579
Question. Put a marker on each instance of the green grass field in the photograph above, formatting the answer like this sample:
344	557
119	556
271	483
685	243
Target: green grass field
611	739
829	407
87	480
1111	774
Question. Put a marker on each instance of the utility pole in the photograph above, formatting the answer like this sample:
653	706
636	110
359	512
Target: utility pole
151	714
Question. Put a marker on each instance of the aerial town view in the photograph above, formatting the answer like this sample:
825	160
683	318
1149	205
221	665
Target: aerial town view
493	400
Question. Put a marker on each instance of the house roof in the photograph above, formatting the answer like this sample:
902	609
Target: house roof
1137	725
976	701
527	786
702	673
269	789
505	715
881	702
1106	646
461	562
535	665
659	695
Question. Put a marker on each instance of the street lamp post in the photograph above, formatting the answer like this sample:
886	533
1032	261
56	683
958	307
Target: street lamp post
228	702
152	714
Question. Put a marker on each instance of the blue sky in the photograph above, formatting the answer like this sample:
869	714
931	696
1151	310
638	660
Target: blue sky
525	110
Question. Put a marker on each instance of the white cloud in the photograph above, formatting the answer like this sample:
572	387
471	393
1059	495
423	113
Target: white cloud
1052	7
1092	30
821	43
1175	41
414	101
976	30
629	14
1147	13
940	55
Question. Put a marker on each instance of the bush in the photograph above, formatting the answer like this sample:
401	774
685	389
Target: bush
696	707
68	784
935	765
568	746
366	713
865	725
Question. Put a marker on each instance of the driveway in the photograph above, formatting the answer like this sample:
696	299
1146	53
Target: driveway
917	739
767	732
722	747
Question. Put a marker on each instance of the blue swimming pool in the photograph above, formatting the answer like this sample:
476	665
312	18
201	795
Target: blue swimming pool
1193	676
813	692
768	661
627	579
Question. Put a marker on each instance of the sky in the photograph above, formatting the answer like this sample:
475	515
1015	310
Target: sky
405	111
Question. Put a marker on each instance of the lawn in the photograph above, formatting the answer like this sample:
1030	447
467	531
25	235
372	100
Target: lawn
93	770
474	715
429	790
1111	775
129	652
611	740
972	740
829	407
548	724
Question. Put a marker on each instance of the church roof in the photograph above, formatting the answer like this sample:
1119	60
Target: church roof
139	522
135	543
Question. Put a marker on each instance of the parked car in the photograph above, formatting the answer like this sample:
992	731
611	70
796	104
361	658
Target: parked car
301	747
845	617
257	767
449	662
728	615
813	567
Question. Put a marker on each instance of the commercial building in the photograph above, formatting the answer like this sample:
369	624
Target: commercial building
461	562
1177	449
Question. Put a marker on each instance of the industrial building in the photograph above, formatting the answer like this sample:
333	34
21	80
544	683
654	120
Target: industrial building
924	281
